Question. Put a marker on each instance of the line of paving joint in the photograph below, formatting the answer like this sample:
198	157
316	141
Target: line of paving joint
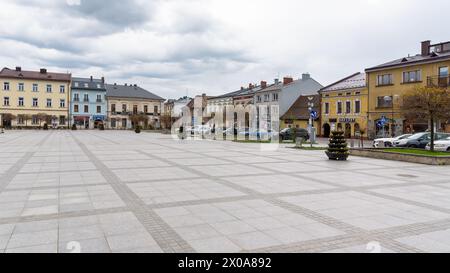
168	240
353	234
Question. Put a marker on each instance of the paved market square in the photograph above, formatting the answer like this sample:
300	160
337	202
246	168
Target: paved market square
117	191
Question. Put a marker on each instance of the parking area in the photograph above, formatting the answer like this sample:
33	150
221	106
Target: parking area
117	191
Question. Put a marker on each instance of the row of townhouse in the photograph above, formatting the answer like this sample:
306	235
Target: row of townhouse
287	95
357	103
34	98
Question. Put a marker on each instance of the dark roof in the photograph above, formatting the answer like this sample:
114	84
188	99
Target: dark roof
418	59
357	80
94	84
34	75
299	110
130	91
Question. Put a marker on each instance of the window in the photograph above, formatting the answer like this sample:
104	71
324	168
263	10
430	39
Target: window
49	88
113	123
21	102
6	86
339	107
135	109
20	119
62	103
145	109
34	120
35	102
327	108
62	120
21	87
76	84
385	102
155	110
124	123
49	102
75	108
259	99
76	97
99	98
348	107
35	87
99	109
113	108
386	79
6	101
86	108
86	85
275	97
98	86
412	76
86	97
266	97
62	89
124	108
357	107
443	71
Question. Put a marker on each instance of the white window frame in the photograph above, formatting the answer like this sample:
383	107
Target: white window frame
35	87
49	88
21	87
354	110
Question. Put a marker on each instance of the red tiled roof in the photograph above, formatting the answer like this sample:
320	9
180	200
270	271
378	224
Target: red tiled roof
34	75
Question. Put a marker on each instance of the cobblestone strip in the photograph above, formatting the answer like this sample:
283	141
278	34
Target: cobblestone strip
162	233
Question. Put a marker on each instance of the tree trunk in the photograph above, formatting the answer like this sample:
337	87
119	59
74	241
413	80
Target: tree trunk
432	134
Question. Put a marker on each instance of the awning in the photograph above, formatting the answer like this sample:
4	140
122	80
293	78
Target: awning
81	118
99	118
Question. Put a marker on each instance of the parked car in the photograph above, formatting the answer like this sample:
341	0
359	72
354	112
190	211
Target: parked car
441	145
291	134
419	140
389	142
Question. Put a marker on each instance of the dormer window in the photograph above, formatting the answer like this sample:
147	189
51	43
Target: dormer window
76	84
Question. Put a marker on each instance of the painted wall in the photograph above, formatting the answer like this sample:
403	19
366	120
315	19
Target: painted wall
28	95
130	103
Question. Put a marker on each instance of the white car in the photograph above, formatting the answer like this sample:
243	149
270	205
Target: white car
389	142
441	145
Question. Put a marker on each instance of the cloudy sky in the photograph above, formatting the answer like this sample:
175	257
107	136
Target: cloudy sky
175	47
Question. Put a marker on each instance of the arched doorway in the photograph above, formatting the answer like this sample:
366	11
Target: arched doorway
326	130
348	130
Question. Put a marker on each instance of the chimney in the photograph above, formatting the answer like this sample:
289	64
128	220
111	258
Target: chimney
92	79
287	80
277	81
103	80
18	68
306	76
250	86
426	48
263	84
43	71
126	84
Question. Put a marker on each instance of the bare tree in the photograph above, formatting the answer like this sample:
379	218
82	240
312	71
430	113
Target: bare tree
427	103
137	119
42	117
26	118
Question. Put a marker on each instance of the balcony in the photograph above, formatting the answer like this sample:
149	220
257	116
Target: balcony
438	81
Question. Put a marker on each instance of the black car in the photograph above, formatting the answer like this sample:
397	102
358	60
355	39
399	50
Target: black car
420	140
292	134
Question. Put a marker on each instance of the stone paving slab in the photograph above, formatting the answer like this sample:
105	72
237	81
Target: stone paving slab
117	191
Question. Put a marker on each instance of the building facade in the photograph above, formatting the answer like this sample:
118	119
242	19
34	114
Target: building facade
298	116
344	106
34	98
128	101
387	83
88	106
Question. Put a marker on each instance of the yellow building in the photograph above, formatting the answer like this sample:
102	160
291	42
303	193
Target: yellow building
298	116
125	101
344	106
387	83
34	98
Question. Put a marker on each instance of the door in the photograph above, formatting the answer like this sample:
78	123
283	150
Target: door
348	130
326	130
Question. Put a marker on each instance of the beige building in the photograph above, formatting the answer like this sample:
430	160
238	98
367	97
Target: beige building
34	98
128	101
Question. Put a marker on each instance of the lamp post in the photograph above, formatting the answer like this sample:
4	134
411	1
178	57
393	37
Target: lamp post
311	124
